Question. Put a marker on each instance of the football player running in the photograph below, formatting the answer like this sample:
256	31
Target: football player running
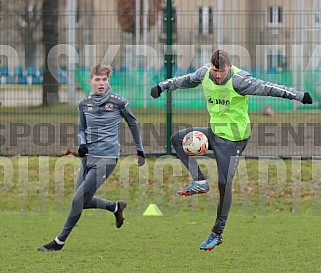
100	116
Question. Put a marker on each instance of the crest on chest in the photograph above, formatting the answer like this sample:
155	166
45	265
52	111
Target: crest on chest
109	107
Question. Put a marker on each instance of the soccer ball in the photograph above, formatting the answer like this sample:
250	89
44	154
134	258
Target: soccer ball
195	143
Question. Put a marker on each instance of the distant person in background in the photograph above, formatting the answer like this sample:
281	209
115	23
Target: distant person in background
226	89
100	116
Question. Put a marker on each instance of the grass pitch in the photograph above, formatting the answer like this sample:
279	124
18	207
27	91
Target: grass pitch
273	226
276	243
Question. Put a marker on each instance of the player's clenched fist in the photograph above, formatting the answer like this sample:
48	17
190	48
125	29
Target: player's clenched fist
156	91
82	150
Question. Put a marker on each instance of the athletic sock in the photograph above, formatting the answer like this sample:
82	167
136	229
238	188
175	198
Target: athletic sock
116	207
59	242
201	182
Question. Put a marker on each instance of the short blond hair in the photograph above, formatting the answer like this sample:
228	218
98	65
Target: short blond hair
100	69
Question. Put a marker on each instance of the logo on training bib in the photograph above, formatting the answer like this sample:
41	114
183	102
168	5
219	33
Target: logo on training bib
222	102
218	101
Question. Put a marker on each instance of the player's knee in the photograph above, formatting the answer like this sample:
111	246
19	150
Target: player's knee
79	200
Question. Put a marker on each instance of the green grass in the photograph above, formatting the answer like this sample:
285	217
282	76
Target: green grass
274	224
278	243
199	117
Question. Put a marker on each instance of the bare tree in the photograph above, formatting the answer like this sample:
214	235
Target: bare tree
50	39
127	17
28	25
23	19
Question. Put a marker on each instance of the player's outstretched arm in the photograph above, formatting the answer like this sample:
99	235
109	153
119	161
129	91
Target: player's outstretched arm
186	81
245	84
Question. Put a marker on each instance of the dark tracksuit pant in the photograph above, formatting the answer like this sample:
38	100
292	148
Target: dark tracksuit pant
92	174
227	155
